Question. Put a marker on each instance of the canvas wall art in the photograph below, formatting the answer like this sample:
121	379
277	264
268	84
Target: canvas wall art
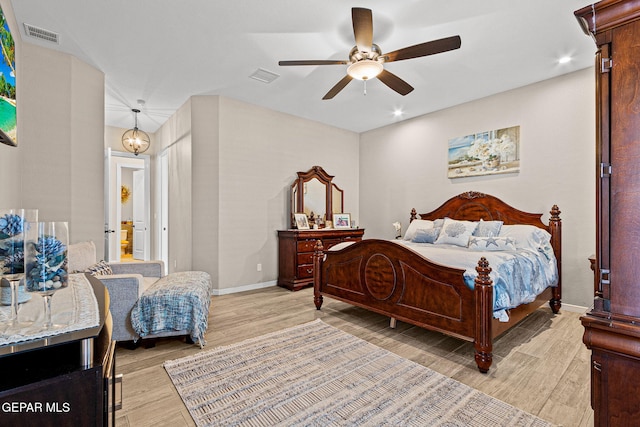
7	85
485	153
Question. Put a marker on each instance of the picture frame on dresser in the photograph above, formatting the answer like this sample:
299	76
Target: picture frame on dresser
301	220
341	220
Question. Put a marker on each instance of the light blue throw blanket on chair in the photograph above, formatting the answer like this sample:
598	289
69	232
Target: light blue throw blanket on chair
177	302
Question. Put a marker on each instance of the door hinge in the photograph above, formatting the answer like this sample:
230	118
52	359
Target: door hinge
606	64
605	170
605	282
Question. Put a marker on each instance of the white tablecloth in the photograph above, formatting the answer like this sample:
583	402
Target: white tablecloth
74	307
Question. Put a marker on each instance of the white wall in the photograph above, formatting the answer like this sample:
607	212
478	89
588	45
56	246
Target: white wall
232	167
175	137
205	111
261	151
405	165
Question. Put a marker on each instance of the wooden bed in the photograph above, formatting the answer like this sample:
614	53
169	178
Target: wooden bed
392	280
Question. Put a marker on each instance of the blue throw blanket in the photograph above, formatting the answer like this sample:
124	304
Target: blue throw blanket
179	301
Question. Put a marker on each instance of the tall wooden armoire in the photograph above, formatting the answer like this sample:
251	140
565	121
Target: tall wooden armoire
612	327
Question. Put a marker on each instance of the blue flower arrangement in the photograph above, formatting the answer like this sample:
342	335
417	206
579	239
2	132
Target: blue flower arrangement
10	225
46	265
11	244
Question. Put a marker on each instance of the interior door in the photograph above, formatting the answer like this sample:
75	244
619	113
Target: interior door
108	223
164	208
139	215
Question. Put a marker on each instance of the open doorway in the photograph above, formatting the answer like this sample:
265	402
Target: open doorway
127	205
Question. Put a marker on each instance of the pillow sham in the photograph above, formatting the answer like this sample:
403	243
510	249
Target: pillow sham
456	232
488	228
100	268
490	243
415	225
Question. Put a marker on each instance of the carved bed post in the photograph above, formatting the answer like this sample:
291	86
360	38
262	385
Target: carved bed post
555	226
414	215
318	255
483	342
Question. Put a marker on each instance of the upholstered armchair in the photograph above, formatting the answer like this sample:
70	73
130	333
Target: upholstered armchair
127	281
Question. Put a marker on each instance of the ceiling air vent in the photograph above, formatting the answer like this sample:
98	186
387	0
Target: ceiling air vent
41	33
264	76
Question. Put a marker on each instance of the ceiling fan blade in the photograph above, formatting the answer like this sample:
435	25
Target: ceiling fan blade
313	62
362	28
395	82
338	87
424	49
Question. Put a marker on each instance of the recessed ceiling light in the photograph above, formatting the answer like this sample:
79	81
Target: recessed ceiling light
397	112
564	60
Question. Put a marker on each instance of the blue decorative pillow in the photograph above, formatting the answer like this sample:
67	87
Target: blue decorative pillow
488	228
492	243
426	236
415	225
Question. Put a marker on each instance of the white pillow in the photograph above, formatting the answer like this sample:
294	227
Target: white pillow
488	228
415	225
456	232
81	256
526	236
491	243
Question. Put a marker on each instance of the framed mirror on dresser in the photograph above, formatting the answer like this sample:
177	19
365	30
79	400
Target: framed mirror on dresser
315	195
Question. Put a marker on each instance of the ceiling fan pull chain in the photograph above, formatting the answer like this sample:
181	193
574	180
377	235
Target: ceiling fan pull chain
365	87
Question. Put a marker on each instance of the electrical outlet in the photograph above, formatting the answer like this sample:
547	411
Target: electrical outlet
259	267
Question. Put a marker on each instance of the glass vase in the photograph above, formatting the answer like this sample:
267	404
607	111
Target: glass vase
13	226
46	262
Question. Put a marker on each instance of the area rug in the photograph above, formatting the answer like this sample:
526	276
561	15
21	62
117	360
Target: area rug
316	375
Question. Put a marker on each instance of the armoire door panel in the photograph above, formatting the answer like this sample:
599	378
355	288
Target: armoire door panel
625	173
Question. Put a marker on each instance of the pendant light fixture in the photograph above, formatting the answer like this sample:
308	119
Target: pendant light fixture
135	140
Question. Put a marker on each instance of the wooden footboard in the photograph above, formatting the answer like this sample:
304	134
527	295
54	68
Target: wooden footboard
390	279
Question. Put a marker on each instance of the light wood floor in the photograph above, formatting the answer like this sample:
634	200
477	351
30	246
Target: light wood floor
541	366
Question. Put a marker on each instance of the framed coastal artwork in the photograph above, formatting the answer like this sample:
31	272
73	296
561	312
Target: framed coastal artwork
7	85
485	153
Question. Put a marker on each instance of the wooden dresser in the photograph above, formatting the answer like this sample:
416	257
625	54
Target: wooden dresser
612	327
295	253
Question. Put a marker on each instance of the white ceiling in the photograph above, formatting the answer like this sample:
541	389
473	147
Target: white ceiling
164	51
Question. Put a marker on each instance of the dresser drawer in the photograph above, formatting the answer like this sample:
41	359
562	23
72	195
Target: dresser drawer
306	245
305	271
305	258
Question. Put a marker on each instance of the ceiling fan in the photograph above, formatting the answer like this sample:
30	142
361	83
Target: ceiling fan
366	60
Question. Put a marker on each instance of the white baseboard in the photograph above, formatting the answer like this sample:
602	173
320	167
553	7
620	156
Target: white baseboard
244	288
573	308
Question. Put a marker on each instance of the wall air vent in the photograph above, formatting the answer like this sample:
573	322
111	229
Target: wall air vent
41	33
264	76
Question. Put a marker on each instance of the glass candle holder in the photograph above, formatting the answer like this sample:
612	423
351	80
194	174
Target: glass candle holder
46	262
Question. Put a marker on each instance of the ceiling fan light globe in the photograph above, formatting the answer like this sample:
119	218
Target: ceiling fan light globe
365	69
